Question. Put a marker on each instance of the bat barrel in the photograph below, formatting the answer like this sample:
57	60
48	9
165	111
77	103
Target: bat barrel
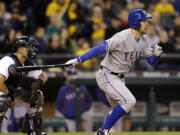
38	67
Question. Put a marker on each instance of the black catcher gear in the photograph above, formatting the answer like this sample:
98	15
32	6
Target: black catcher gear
28	42
5	101
33	123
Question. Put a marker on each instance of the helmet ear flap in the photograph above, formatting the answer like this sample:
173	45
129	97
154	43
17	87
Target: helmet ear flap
136	25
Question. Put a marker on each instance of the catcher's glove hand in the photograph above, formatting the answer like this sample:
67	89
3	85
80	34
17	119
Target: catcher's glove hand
74	62
157	50
19	92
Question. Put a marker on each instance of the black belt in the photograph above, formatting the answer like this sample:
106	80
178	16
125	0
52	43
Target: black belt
113	73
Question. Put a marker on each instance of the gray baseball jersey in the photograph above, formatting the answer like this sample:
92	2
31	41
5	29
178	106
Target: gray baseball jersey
123	50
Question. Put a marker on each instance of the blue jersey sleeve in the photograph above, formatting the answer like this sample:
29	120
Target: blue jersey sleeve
152	59
98	50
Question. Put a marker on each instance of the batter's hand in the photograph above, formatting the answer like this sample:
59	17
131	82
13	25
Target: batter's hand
157	50
74	62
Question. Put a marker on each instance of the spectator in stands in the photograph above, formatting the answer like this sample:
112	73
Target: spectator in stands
15	21
124	19
38	12
134	4
16	4
57	6
167	48
148	4
177	25
114	27
155	21
7	43
176	4
40	37
54	46
65	103
172	36
3	30
98	2
89	64
94	29
177	32
86	5
120	3
4	15
20	22
55	25
164	42
74	18
178	45
67	43
166	9
110	9
152	35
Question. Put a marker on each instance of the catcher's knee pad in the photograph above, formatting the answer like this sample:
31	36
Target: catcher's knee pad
5	102
32	123
37	122
1	118
27	125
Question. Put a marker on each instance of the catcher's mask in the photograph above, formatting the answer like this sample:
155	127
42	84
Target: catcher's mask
28	42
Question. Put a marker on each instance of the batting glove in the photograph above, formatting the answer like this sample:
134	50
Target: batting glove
157	50
74	62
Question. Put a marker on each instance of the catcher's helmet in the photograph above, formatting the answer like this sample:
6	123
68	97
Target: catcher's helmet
136	16
25	41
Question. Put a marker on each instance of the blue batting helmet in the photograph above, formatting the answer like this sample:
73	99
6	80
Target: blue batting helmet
136	16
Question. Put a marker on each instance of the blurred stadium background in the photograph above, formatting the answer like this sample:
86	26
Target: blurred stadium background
66	29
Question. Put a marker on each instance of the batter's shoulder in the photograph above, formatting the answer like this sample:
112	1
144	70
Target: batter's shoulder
122	35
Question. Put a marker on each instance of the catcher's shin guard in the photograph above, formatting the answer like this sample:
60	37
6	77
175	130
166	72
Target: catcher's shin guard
33	123
1	118
37	122
5	102
27	126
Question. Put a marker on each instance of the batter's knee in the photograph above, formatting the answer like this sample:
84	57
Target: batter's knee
129	104
133	102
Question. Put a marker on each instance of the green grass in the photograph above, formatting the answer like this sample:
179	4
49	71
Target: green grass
91	133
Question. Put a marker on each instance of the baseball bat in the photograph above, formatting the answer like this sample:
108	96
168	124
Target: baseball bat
38	67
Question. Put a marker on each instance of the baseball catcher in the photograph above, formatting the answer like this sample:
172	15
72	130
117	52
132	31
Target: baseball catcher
22	85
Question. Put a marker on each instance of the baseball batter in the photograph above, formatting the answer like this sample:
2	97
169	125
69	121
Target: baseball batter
122	50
